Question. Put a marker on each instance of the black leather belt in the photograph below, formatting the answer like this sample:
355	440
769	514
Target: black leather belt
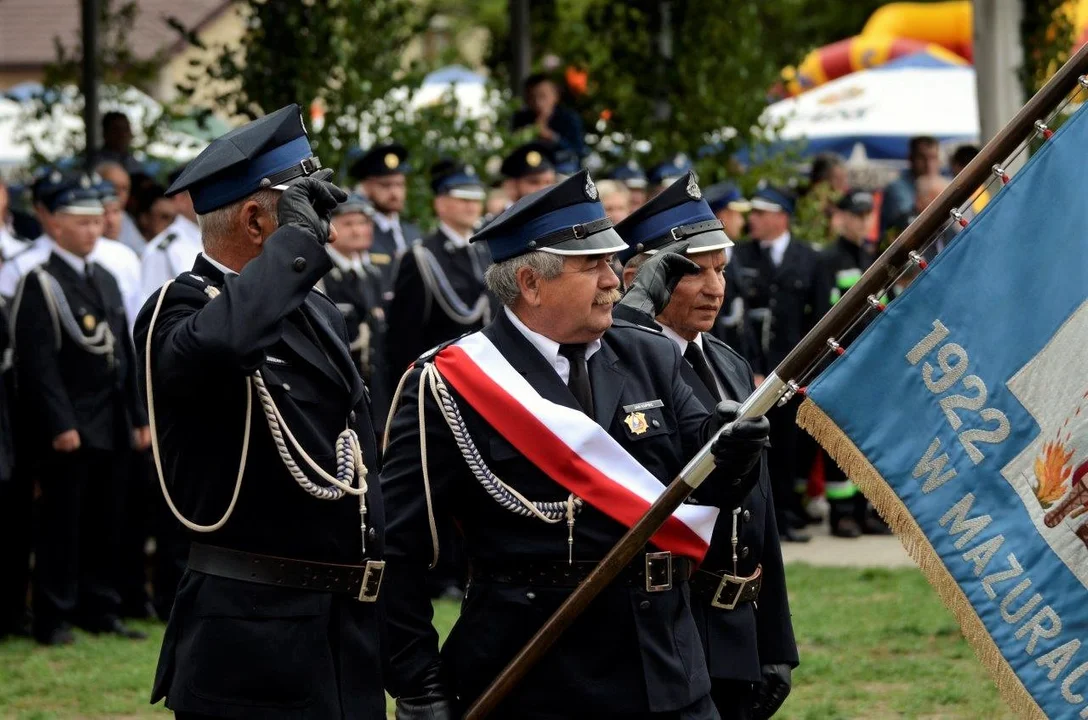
727	591
360	581
655	572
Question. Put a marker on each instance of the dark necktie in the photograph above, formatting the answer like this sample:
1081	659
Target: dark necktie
694	356
578	379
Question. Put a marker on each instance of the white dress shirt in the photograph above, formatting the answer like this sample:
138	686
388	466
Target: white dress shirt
13	271
455	237
218	265
550	348
391	225
777	247
345	263
159	264
683	344
124	265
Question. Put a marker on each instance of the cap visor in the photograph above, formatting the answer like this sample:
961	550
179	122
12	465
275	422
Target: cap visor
467	193
635	183
742	206
80	210
606	241
705	242
765	205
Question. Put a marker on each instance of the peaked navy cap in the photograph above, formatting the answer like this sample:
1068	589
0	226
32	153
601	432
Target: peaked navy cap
726	195
75	194
450	177
565	219
772	199
270	152
677	213
630	174
665	172
380	161
528	159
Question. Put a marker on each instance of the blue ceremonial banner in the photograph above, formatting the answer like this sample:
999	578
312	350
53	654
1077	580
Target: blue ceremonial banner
962	412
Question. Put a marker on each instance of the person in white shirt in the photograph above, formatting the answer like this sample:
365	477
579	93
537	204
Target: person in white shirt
116	175
10	246
173	250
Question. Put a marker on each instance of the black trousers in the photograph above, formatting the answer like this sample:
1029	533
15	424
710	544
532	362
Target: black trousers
136	522
16	528
783	461
733	698
80	514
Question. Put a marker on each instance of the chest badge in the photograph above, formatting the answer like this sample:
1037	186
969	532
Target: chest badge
89	323
636	423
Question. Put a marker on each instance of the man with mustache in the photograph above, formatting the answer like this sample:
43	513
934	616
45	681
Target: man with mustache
739	592
531	434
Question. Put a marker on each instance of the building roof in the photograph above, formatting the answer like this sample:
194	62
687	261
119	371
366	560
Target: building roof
28	28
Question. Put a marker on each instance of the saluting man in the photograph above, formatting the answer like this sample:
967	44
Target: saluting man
276	479
440	292
560	414
739	592
381	173
76	375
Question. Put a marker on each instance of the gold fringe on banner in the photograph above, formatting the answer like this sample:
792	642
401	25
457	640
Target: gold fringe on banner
858	468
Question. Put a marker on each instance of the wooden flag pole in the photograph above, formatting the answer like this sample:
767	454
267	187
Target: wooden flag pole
811	348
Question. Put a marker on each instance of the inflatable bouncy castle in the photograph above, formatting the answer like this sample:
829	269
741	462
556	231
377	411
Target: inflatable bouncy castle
898	29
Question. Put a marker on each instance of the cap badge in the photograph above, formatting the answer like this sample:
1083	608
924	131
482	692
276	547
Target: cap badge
469	170
636	423
693	188
532	158
590	188
55	177
84	182
391	161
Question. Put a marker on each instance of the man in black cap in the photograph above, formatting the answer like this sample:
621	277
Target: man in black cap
788	292
739	592
77	380
440	292
381	174
528	168
276	477
356	287
533	434
632	175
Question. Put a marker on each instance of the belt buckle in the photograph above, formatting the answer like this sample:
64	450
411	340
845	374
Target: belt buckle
372	581
731	587
658	571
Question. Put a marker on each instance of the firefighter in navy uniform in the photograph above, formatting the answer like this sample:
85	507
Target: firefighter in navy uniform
788	292
529	538
263	441
440	293
76	376
356	288
740	605
381	174
846	261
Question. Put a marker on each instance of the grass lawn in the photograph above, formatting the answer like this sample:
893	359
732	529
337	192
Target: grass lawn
874	644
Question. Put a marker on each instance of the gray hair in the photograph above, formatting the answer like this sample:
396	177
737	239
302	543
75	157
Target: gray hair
219	225
502	277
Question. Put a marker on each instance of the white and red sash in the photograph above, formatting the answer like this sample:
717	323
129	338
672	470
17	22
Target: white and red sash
567	445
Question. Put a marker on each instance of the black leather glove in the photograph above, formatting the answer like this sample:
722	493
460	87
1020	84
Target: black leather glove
652	287
423	709
308	205
740	444
772	691
429	704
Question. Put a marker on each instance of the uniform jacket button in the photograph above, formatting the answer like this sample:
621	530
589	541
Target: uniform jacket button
351	416
372	534
744	551
644	605
747	515
299	264
286	387
530	595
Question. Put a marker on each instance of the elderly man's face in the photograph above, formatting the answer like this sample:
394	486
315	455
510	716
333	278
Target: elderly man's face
117	177
617	206
354	232
576	306
111	219
766	224
694	304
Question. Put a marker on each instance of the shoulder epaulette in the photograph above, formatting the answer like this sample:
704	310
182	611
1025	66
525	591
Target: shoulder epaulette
438	348
197	282
165	242
718	342
626	324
